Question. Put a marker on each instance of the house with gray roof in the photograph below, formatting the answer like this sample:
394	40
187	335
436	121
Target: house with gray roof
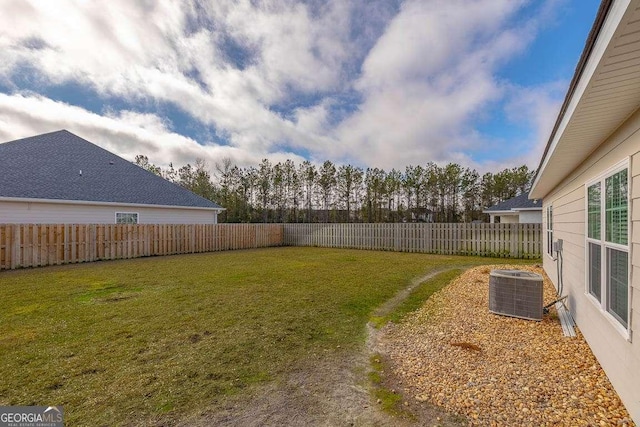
519	209
61	178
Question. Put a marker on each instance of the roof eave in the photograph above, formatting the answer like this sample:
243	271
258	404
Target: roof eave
94	203
503	212
596	43
537	208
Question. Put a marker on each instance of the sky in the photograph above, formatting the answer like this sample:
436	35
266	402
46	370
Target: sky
372	83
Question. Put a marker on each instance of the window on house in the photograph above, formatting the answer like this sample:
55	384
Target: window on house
550	230
607	243
126	218
593	232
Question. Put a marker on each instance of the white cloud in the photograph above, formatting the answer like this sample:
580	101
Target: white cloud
424	70
127	49
428	76
538	107
431	37
125	133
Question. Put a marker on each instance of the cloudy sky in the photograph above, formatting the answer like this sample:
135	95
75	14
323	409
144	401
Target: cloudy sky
379	83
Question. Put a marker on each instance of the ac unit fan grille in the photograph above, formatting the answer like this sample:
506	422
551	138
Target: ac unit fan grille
516	293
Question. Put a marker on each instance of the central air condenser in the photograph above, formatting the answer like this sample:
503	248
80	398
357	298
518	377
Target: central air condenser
516	293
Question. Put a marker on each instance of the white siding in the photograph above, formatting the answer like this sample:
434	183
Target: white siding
619	356
509	219
506	218
62	213
530	217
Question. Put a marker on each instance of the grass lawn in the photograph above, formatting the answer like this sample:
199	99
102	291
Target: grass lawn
418	296
156	339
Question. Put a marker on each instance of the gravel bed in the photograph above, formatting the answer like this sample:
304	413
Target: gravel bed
497	370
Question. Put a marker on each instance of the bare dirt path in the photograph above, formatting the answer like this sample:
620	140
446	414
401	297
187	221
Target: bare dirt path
328	391
392	303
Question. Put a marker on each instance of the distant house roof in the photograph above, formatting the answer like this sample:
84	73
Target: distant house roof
515	204
64	167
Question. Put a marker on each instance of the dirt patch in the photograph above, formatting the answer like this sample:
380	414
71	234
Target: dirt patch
117	297
397	299
329	391
195	338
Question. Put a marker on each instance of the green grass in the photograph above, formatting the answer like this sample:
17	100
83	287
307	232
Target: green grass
388	400
417	297
152	339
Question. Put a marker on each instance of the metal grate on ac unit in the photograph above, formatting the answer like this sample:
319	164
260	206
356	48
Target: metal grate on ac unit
516	293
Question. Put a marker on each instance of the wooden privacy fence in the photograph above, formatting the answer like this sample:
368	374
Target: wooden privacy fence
500	240
32	245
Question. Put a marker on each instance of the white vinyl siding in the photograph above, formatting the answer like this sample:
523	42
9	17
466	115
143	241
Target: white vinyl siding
12	212
617	348
531	217
507	219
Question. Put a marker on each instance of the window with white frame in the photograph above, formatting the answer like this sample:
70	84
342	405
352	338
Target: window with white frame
608	242
126	218
550	230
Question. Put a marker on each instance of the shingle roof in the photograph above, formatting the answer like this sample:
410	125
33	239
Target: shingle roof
516	203
48	166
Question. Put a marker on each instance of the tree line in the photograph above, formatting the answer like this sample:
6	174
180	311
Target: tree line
305	192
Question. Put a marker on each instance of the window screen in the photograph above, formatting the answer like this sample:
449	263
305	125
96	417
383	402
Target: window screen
593	211
618	291
616	208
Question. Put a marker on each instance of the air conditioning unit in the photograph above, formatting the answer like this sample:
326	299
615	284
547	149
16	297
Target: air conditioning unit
516	293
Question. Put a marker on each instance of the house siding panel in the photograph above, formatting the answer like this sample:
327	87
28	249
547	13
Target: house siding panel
62	213
509	219
635	256
635	186
530	217
573	229
636	300
619	357
567	216
571	203
635	210
575	251
635	232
